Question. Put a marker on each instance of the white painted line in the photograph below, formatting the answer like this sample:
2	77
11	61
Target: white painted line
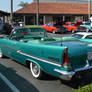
12	87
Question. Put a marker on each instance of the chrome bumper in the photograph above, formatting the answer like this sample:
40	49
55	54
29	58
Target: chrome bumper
68	75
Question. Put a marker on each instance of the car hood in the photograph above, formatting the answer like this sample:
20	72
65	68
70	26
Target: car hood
78	23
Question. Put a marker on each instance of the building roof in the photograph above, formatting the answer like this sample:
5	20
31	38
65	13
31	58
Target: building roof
3	12
63	1
55	8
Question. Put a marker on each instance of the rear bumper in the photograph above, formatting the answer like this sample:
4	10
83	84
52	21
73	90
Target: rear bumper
68	75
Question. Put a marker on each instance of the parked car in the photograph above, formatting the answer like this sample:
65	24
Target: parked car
83	36
86	26
55	27
72	26
63	58
7	28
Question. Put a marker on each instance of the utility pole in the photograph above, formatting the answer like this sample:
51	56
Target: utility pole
37	15
11	15
89	9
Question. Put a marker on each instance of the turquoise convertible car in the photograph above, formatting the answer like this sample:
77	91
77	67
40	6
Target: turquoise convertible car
63	58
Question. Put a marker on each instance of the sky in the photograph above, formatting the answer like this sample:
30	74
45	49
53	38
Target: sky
5	4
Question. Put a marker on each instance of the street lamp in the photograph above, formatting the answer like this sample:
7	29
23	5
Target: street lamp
37	15
89	9
11	15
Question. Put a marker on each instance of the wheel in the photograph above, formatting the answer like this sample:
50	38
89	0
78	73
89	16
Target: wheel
1	54
53	31
73	31
87	30
35	70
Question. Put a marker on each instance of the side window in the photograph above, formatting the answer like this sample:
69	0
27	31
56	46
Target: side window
66	24
88	37
70	24
51	25
47	24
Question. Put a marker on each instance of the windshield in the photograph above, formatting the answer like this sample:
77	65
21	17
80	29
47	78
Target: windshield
36	32
72	24
28	33
79	36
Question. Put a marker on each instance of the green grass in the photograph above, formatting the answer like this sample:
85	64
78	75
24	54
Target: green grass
87	88
32	26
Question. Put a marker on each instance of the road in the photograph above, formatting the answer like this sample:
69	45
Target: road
22	81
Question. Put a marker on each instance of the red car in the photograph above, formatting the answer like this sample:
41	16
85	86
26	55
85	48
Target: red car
72	26
54	27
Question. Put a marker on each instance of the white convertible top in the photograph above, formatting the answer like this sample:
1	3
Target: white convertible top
84	34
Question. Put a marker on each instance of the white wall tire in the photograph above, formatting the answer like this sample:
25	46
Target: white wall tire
53	31
73	31
1	54
35	70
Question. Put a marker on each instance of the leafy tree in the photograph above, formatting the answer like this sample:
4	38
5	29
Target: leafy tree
23	4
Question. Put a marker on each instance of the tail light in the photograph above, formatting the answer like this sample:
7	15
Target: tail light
65	60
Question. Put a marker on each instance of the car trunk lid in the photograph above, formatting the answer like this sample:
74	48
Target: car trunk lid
77	52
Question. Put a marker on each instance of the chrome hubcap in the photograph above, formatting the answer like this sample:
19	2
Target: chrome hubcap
0	54
35	69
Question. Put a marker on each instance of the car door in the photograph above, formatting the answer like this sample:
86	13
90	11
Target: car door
15	45
67	26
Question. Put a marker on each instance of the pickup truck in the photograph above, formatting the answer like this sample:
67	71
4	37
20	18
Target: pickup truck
60	57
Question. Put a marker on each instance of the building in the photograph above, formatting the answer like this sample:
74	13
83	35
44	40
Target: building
4	16
53	10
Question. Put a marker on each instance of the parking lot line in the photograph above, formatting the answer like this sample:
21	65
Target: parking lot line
11	86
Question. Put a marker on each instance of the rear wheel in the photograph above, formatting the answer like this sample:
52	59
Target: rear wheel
53	31
73	31
87	30
35	70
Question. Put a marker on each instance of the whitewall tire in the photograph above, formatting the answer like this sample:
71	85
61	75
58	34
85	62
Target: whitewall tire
35	70
1	54
73	31
53	31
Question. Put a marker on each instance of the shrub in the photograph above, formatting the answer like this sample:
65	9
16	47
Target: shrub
87	88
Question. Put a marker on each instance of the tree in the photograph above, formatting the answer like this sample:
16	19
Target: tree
23	4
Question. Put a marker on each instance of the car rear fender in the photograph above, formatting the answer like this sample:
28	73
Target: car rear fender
30	60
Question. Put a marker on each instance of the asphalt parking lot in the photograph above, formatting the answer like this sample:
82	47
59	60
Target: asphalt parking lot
17	78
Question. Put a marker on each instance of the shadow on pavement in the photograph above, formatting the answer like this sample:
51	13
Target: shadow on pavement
19	82
76	83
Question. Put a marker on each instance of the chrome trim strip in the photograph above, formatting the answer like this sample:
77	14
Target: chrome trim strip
72	72
46	61
64	72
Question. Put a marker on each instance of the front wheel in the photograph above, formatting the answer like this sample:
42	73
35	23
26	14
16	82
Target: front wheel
35	70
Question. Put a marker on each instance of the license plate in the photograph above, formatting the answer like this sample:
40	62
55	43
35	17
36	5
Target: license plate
90	56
